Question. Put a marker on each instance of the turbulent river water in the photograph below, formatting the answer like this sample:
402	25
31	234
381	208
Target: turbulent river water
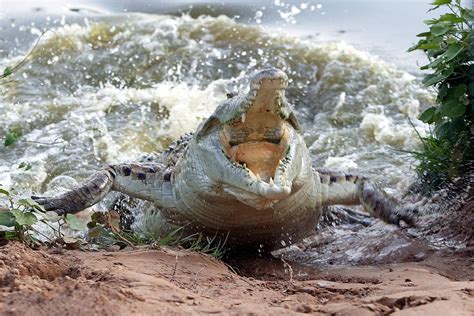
106	88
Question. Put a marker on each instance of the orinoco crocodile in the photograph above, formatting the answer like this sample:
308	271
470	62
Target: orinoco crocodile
246	172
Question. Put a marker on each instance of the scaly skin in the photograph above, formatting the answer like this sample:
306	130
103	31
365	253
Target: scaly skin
245	173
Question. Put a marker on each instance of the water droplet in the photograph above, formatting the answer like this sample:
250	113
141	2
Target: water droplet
295	10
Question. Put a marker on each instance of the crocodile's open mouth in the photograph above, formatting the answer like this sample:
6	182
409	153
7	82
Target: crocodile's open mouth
258	138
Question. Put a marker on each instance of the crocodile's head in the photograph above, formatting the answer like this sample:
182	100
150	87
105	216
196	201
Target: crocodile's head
252	144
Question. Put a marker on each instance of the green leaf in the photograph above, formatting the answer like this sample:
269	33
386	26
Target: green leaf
7	219
433	64
460	91
7	72
414	47
434	53
25	165
24	218
97	231
12	138
442	92
33	204
74	223
428	115
439	29
424	34
51	216
441	2
450	17
5	192
432	79
430	45
448	71
452	108
452	51
432	21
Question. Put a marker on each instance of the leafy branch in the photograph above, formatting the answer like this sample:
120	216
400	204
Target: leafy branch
8	71
447	45
18	222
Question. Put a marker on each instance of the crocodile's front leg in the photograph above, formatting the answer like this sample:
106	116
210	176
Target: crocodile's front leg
145	181
348	189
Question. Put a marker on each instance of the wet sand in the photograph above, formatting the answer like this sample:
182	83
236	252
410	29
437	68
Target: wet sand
178	282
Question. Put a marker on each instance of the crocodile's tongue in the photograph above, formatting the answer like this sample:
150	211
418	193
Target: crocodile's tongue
262	158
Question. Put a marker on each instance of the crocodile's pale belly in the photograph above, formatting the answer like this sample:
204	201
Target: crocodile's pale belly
285	222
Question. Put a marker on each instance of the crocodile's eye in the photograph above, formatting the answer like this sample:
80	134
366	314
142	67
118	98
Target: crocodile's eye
230	95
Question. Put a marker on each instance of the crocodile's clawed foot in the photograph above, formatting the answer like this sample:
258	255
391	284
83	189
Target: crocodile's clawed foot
50	204
403	218
378	203
408	214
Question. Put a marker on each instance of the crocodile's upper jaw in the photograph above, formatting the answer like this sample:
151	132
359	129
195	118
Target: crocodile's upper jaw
257	139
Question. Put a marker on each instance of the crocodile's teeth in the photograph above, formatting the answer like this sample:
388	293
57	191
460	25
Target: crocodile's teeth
258	177
252	175
243	117
271	181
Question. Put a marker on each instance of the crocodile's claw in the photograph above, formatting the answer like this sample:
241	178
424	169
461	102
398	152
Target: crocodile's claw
56	204
402	215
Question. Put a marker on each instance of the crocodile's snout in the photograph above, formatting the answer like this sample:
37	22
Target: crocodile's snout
269	78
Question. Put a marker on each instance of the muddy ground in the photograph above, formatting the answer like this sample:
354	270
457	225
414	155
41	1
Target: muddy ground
178	282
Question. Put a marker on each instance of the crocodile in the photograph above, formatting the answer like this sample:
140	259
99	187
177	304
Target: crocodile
246	173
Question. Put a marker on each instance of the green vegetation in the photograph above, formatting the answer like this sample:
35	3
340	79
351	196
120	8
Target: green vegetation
105	229
448	151
18	219
21	219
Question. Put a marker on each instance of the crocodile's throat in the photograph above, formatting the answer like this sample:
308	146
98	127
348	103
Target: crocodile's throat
258	138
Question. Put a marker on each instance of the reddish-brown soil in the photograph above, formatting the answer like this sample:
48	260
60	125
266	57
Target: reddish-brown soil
178	282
